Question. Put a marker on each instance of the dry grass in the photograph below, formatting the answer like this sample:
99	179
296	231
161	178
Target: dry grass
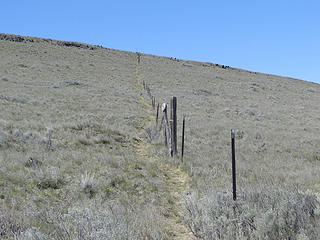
71	111
276	121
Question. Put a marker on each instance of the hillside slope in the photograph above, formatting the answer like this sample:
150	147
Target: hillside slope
81	157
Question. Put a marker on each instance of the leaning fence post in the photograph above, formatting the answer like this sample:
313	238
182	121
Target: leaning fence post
234	188
164	109
182	143
165	136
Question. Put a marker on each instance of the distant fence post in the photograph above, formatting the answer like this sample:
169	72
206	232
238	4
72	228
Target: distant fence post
157	115
182	143
164	110
174	124
138	57
148	90
171	129
234	188
152	102
165	136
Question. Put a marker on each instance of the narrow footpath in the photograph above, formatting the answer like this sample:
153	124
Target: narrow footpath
177	180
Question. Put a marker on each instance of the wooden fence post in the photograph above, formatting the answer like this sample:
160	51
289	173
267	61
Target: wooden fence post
165	136
164	109
234	188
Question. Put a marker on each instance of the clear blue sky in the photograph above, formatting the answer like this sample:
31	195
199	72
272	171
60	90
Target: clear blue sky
272	36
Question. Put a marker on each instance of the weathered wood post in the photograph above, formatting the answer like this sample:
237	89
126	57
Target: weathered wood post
234	188
165	136
174	124
182	143
164	109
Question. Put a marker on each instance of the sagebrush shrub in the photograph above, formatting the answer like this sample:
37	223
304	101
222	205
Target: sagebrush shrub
114	222
11	222
257	214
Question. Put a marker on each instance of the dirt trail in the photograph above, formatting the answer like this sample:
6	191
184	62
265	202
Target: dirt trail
177	180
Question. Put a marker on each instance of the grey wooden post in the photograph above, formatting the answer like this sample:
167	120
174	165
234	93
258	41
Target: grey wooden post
164	109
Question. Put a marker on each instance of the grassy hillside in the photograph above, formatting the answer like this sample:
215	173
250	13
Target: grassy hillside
82	158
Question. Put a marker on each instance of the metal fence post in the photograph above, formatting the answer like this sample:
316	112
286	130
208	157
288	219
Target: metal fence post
234	187
182	143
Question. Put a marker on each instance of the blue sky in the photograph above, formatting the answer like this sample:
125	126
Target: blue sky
276	36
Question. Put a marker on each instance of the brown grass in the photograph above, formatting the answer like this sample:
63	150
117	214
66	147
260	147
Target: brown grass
101	123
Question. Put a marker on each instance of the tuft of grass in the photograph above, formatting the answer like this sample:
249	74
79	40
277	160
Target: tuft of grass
49	178
87	184
50	183
102	141
84	141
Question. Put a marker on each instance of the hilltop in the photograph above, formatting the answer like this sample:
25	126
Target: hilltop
81	156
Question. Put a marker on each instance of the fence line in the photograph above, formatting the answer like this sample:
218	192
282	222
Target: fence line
170	124
170	130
